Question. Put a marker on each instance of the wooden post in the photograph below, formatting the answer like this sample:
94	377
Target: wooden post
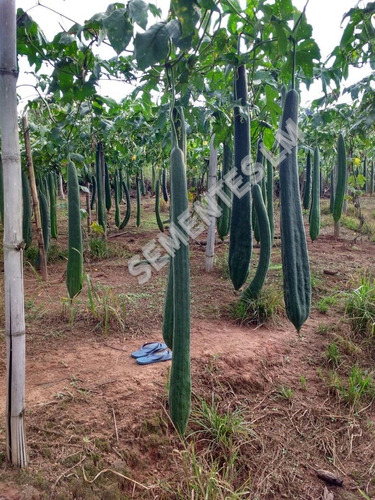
13	239
34	195
212	167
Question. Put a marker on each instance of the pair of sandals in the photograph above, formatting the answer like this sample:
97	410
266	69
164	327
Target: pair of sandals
152	352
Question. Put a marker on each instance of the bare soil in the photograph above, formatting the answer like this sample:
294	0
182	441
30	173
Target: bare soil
97	423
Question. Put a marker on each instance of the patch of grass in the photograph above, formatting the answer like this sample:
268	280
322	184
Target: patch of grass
360	307
285	392
350	222
55	254
360	386
97	248
303	382
221	264
322	329
333	355
324	303
258	311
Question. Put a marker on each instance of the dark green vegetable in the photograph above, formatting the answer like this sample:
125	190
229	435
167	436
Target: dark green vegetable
332	191
153	179
164	185
256	284
307	188
46	226
364	187
74	271
295	260
315	202
270	190
93	194
52	203
372	178
180	382
26	220
223	222
341	179
108	201
128	206
157	207
102	220
138	186
240	243
117	199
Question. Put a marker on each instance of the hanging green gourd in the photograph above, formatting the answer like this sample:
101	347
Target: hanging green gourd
256	284
74	271
52	205
364	187
372	178
138	186
153	179
223	222
102	220
108	201
93	193
117	199
46	226
240	242
295	261
128	206
180	381
157	207
270	190
307	187
332	191
341	182
315	199
164	185
26	219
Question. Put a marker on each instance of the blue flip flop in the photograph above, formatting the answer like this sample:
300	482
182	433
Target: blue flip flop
155	357
147	349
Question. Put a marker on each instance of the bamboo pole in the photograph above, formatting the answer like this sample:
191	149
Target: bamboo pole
34	195
13	239
210	247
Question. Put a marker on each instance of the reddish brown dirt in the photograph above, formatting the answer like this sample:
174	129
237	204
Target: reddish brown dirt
90	407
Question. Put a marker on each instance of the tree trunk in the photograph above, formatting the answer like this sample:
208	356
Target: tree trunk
13	244
210	247
61	187
34	195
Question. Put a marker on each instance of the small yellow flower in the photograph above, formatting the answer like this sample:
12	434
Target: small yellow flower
134	157
356	161
205	143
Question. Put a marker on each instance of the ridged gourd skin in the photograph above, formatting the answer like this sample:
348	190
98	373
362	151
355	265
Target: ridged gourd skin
295	260
223	222
153	179
138	186
74	271
102	220
341	179
157	207
26	219
128	206
240	241
1	192
307	189
256	284
52	203
108	201
315	198
270	190
93	194
180	381
372	178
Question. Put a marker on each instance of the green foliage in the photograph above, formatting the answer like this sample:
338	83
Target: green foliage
360	307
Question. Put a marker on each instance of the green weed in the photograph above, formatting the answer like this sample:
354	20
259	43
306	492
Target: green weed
258	311
324	303
285	392
360	386
333	355
360	307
